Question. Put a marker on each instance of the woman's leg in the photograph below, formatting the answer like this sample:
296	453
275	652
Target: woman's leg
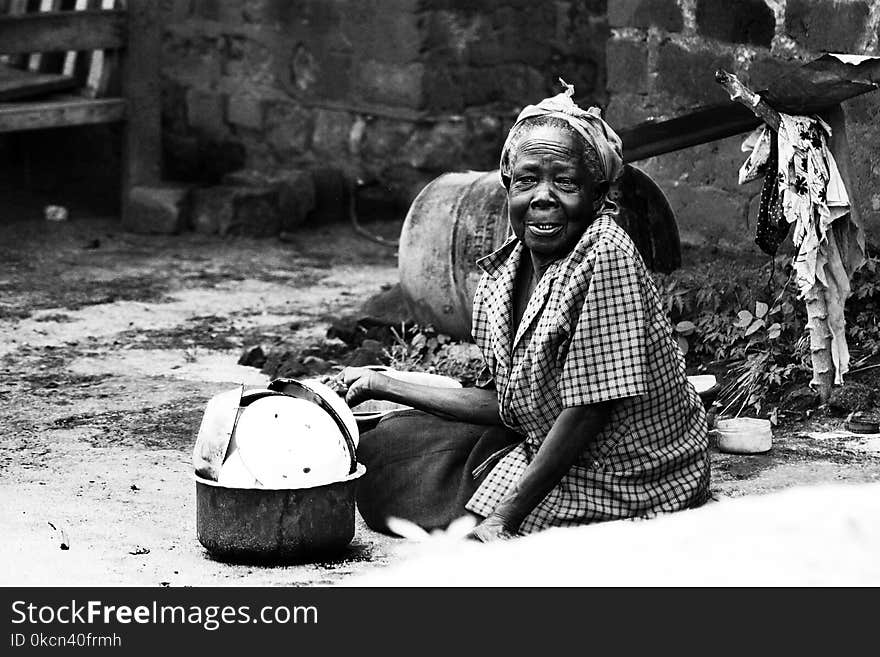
420	467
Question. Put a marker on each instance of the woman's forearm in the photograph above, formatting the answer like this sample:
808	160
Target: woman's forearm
574	430
474	405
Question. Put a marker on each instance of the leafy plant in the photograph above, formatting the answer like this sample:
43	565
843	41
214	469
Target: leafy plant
422	349
755	335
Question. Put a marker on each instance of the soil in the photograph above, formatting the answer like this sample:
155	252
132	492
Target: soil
110	345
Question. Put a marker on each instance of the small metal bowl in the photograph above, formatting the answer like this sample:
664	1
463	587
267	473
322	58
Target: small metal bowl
264	524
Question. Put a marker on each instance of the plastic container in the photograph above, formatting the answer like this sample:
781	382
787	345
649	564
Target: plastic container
744	435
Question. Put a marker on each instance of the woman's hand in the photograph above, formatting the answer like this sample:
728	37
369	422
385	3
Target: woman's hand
361	384
491	529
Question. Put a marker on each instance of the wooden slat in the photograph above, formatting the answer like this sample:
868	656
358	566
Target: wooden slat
52	62
18	7
15	83
101	62
33	116
37	60
72	60
63	30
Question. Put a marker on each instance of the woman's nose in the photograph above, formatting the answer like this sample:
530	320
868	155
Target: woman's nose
543	195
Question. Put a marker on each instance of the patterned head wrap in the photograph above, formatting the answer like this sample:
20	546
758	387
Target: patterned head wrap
587	123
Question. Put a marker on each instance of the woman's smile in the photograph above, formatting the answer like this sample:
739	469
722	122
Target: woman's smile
544	230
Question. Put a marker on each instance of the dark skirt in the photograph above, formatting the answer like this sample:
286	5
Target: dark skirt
424	468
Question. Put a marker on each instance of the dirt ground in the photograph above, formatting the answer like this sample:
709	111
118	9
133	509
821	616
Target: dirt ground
110	345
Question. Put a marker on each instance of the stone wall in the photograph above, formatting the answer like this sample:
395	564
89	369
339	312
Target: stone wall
661	57
391	92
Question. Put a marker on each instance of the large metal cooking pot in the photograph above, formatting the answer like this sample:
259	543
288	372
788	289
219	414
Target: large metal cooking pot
251	524
280	524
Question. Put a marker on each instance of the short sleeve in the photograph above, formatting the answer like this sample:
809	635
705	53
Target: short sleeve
607	352
480	328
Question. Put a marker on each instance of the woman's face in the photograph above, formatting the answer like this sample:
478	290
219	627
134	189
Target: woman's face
552	197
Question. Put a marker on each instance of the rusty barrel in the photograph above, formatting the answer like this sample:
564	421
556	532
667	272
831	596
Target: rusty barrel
460	217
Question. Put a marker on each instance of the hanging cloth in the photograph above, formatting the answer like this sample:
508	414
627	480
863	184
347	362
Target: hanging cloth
830	241
772	227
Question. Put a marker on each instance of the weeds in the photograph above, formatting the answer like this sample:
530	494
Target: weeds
756	334
749	329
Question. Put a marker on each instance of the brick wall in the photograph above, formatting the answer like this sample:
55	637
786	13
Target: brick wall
392	91
661	57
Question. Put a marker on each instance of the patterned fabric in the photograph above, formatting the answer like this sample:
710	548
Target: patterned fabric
587	123
829	238
593	331
772	227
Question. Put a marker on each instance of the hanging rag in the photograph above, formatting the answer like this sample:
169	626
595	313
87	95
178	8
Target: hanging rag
829	239
771	226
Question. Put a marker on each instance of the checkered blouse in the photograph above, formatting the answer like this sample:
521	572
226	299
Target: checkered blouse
593	331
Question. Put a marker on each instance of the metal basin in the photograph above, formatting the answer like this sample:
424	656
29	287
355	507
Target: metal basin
259	524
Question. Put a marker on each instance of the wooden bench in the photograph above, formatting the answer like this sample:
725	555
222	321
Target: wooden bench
80	62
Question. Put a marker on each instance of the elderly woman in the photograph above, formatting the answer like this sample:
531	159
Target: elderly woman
592	417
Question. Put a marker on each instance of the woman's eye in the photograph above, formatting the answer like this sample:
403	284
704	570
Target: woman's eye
524	180
566	182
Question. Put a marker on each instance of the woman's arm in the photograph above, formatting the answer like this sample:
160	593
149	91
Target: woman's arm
574	430
466	404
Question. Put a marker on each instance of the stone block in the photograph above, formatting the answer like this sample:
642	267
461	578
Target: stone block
394	85
627	65
442	88
159	209
736	21
205	112
385	30
245	111
438	147
507	35
384	139
256	213
224	11
174	11
294	189
486	134
826	24
626	110
289	128
249	61
861	129
715	164
296	198
332	134
211	208
312	69
665	14
708	215
173	98
196	60
689	72
236	210
763	70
